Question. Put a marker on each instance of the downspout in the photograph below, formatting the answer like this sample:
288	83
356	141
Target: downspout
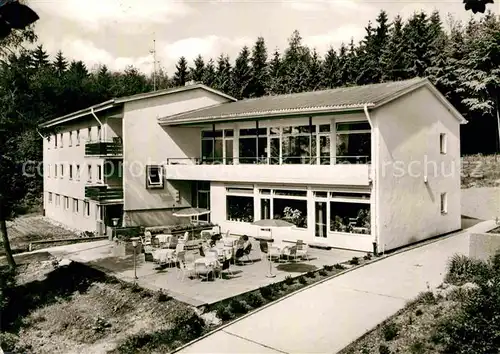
374	181
103	132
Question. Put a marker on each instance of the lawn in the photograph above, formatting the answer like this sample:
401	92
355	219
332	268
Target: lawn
461	316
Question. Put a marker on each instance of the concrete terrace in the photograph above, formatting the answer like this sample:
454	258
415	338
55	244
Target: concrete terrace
246	277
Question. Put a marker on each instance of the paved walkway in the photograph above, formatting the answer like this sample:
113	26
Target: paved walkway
329	316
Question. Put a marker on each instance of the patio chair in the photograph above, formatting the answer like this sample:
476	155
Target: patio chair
226	267
203	271
302	250
264	249
147	238
184	268
290	252
244	252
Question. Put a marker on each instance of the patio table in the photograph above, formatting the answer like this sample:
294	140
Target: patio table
164	255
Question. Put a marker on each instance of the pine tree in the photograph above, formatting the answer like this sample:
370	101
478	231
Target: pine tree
275	86
60	63
181	76
242	75
209	74
417	45
369	70
315	72
330	69
196	73
223	74
40	57
295	65
260	72
344	66
393	58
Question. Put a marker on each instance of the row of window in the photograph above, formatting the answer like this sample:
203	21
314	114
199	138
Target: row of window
58	170
68	203
74	137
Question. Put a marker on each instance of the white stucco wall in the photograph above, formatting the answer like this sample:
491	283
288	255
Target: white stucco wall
63	185
408	209
145	142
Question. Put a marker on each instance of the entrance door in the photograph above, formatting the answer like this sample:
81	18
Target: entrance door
320	219
203	199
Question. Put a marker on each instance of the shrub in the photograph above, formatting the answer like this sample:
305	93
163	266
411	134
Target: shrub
238	306
289	280
161	296
302	280
384	349
8	341
135	288
323	273
462	269
339	266
328	268
390	331
311	275
417	347
419	312
368	256
254	300
224	313
354	261
267	292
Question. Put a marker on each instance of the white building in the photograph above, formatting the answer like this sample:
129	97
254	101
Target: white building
350	167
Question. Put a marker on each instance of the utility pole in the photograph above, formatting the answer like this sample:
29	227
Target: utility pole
153	51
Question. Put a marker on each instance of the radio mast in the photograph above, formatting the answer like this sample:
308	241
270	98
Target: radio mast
153	51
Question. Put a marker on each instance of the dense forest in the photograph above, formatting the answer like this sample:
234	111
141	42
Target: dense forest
462	60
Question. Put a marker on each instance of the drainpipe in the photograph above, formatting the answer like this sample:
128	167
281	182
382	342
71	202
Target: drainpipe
40	134
374	181
100	123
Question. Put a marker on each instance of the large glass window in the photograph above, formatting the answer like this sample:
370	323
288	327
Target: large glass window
350	217
291	210
239	208
353	142
212	146
253	146
299	145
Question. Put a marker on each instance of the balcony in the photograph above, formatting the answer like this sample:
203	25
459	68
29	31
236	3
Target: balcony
104	149
349	171
103	193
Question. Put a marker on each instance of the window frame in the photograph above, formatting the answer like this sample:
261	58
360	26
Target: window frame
444	203
154	185
443	143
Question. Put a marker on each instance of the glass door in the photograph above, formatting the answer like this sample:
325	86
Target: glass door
320	219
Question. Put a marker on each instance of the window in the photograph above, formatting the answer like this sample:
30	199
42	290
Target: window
299	145
239	208
61	140
58	200
442	143
444	203
350	217
353	142
55	141
217	146
50	197
55	170
48	170
62	170
77	172
89	173
70	138
253	146
154	177
86	208
89	133
291	210
99	173
70	171
78	137
66	202
98	133
75	205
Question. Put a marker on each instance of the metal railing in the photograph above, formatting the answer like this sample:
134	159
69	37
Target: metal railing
286	160
103	193
104	148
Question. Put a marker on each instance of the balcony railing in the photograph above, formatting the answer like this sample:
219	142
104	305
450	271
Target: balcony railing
104	148
103	193
286	160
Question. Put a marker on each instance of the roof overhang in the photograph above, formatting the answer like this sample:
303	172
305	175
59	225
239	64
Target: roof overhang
79	114
267	115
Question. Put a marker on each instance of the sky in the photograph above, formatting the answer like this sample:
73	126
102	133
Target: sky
118	33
